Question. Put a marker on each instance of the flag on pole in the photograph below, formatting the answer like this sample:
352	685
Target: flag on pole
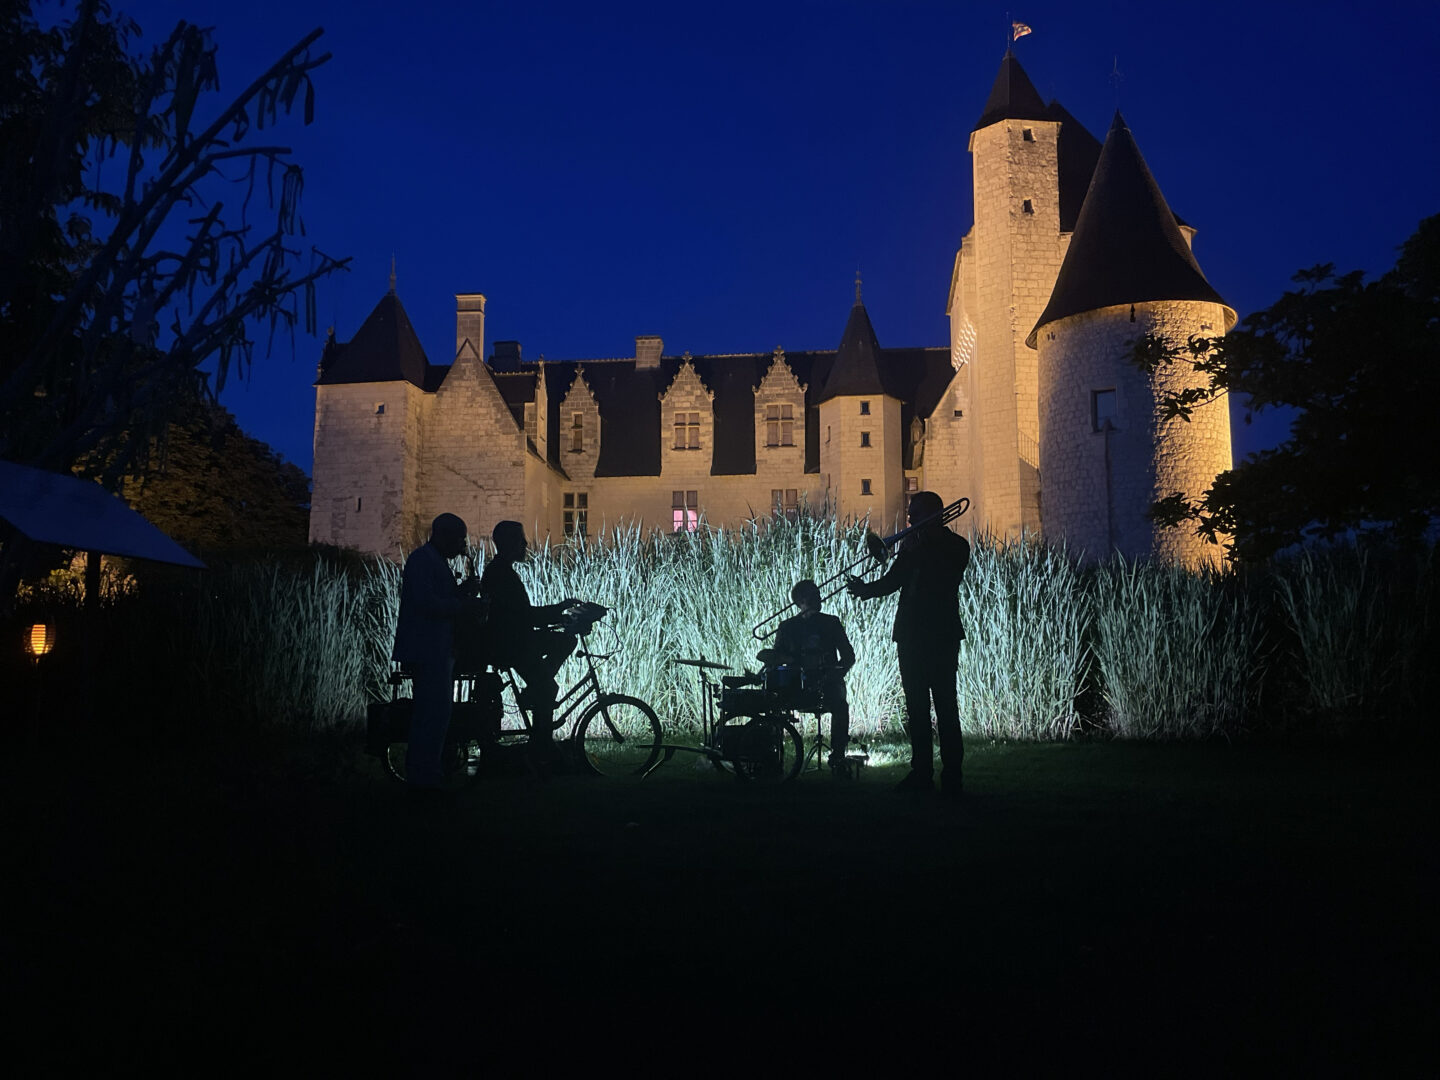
1019	30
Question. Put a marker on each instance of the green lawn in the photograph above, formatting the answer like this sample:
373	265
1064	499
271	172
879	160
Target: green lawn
1157	905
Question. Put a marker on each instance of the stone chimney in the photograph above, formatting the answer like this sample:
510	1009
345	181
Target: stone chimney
507	356
647	351
470	323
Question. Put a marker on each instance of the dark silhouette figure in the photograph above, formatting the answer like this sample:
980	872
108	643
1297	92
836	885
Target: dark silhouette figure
430	602
520	635
818	645
927	637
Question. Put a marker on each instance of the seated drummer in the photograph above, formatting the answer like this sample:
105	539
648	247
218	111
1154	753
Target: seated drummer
819	645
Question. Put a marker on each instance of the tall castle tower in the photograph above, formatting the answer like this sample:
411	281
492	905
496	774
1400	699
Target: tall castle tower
1031	162
1108	451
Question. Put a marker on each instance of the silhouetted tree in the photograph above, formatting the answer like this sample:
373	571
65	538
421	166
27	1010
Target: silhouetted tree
1360	362
132	246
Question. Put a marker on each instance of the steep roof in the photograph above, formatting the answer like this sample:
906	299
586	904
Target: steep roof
1012	97
1078	151
1127	248
857	360
629	399
384	349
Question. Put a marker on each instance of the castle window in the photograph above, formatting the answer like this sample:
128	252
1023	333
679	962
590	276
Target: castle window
865	487
1028	207
786	502
685	510
357	503
827	433
779	425
1103	411
687	431
864	438
577	513
1028	134
864	408
577	432
530	420
379	408
912	485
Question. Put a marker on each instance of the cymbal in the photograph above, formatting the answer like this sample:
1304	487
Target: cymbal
773	656
708	665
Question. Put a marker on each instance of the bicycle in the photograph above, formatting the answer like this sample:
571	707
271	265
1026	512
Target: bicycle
610	734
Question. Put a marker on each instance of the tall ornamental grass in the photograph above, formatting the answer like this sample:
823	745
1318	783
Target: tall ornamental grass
1024	656
1336	636
1177	653
1361	634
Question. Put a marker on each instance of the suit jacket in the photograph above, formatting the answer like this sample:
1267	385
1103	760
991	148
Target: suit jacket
927	575
430	599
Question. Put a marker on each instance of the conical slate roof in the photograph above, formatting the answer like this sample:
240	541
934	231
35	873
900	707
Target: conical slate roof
384	349
857	361
1126	248
1012	97
1078	153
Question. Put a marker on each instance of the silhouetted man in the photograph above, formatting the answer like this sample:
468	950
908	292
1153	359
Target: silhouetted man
430	601
520	636
927	637
818	645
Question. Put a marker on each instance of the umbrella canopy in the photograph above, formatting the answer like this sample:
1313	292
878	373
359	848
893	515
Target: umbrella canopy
53	508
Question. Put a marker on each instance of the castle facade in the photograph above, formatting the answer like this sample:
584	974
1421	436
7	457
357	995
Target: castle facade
1033	410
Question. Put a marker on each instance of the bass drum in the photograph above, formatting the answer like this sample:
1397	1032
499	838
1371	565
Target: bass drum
766	750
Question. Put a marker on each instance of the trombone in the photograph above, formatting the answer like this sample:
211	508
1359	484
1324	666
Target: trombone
877	549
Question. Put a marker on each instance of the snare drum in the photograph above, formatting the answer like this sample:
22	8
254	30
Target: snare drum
784	681
743	702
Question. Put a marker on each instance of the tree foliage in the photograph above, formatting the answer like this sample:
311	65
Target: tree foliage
214	488
1357	361
144	233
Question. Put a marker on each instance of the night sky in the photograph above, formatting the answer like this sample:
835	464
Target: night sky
716	173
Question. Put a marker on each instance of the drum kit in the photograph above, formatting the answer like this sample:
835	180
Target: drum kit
748	721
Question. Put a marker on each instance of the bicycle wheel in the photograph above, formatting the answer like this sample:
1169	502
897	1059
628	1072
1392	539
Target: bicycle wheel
768	750
459	762
619	735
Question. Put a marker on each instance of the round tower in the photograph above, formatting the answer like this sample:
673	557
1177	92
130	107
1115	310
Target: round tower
1107	452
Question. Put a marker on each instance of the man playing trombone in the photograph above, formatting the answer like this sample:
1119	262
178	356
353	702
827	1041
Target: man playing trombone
927	637
818	644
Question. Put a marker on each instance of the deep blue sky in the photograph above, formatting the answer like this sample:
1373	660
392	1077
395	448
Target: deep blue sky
715	172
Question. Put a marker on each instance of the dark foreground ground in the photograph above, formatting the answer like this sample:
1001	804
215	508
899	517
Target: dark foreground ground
1158	909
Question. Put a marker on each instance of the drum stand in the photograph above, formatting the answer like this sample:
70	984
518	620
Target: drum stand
820	748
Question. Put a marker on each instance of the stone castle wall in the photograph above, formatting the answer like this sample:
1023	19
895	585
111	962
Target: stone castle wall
366	490
1100	484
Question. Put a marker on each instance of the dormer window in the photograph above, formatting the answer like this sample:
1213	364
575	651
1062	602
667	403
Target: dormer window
687	431
577	433
779	425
